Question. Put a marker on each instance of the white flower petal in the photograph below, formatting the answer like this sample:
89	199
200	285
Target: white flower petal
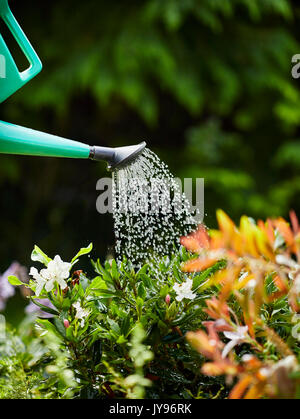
184	290
39	287
33	271
231	335
230	345
49	285
62	283
284	260
45	273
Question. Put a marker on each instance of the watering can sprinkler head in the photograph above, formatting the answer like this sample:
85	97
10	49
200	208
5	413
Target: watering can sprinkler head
117	157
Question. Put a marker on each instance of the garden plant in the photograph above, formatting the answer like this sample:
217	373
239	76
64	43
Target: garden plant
162	304
220	315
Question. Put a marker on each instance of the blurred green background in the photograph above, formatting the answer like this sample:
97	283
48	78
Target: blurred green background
207	83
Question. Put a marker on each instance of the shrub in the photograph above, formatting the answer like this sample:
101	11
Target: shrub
218	319
255	305
118	334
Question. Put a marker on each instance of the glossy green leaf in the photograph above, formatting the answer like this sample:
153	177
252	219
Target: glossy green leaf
39	256
82	251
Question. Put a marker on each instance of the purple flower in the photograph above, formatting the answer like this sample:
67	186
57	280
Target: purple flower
6	289
34	309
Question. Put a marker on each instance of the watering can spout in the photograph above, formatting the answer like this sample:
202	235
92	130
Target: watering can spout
117	157
18	140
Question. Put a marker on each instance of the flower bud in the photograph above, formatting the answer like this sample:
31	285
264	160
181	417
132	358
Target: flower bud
66	323
167	299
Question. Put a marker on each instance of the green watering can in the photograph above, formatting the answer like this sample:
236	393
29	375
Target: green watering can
18	140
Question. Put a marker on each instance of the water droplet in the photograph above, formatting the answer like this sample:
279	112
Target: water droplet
150	211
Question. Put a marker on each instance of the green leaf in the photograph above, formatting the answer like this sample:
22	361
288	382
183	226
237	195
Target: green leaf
187	317
114	326
142	271
141	291
70	333
59	324
103	272
139	306
38	255
13	280
104	293
82	251
114	270
97	283
199	279
164	290
45	308
121	340
97	352
125	326
172	311
66	304
162	326
48	327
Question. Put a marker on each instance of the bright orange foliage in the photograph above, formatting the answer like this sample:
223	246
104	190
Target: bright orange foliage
256	254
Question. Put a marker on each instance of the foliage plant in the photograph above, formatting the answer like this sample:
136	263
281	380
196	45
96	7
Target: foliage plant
252	329
118	334
220	318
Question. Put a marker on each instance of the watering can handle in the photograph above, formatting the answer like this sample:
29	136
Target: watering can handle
32	57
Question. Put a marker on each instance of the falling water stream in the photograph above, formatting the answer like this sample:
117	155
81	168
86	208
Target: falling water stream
150	210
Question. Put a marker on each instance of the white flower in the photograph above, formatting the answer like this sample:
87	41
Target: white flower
56	272
247	357
290	263
294	270
184	290
288	363
284	260
39	280
81	313
236	338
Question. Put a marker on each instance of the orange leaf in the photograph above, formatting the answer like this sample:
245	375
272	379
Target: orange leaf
217	239
201	342
239	389
248	233
255	392
197	265
197	240
286	232
226	225
213	369
268	230
294	221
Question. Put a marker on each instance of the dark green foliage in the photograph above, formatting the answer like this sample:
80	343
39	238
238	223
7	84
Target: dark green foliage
130	342
129	332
